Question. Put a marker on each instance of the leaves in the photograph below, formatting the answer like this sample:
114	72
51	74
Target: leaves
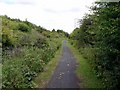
27	48
98	39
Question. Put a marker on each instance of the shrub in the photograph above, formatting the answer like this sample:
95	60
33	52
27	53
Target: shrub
99	38
8	38
24	27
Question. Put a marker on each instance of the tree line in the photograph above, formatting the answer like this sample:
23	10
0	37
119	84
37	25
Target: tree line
98	39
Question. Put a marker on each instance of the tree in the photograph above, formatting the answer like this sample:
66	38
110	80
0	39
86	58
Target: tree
100	32
53	30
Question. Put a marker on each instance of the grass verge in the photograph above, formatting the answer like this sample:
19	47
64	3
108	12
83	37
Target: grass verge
84	72
42	79
0	75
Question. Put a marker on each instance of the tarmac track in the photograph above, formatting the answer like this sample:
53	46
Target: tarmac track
64	75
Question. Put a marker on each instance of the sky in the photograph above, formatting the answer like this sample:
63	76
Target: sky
50	14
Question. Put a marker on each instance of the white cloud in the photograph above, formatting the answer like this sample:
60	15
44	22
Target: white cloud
58	14
24	2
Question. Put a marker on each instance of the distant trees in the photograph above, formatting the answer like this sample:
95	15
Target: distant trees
53	30
65	33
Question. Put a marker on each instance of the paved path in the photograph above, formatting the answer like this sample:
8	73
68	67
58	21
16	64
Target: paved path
64	75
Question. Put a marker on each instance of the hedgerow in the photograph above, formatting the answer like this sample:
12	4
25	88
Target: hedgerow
98	39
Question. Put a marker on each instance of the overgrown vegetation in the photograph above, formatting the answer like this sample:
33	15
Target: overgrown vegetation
26	49
84	71
43	78
98	39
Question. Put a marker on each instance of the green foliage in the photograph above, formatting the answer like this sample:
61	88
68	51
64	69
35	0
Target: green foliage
8	38
27	48
41	42
23	27
25	68
62	32
99	39
84	71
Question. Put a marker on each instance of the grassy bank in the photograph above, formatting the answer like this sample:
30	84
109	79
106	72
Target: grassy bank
0	76
87	78
26	51
42	79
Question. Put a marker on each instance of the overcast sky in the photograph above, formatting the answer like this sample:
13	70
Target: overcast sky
57	14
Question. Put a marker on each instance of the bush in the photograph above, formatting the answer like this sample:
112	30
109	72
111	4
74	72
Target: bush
24	27
8	38
99	38
41	42
19	72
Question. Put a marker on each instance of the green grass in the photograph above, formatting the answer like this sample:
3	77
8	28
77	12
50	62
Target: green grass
0	75
84	72
42	79
0	67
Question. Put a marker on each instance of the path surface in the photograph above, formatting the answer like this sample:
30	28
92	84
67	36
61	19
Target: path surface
64	75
